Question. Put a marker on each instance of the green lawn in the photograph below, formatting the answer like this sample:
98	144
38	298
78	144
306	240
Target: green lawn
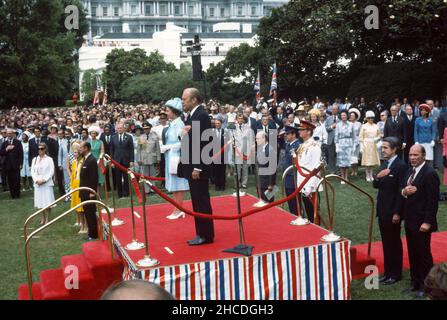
351	220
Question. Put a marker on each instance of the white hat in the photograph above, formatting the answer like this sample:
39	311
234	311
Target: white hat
94	129
370	114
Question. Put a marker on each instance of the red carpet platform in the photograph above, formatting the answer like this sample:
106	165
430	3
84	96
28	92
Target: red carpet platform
288	262
438	248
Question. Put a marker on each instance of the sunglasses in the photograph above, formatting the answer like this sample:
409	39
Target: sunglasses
41	148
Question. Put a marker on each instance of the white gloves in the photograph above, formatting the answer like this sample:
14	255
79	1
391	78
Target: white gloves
165	148
337	148
362	148
432	143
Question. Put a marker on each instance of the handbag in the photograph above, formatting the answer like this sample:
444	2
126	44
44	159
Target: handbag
173	164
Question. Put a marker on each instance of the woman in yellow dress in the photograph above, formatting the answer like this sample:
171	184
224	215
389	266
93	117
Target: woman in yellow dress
368	137
76	167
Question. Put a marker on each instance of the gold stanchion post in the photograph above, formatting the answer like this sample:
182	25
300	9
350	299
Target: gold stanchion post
116	222
135	244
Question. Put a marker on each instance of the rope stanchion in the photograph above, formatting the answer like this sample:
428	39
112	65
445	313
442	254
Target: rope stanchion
237	216
297	164
136	186
138	175
214	157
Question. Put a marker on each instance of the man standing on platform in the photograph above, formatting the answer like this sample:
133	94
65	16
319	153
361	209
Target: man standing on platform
89	178
192	166
219	162
267	174
309	158
293	143
389	207
122	151
420	189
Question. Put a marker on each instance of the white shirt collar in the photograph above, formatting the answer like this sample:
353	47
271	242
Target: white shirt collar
88	155
418	168
390	162
293	141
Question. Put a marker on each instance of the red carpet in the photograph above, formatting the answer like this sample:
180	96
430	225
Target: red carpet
438	249
267	231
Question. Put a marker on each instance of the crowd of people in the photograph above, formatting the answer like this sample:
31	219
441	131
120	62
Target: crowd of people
43	149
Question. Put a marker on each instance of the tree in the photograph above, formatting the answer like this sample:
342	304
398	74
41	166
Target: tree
123	65
319	42
37	61
88	84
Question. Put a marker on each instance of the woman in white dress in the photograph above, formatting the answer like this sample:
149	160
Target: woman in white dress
42	171
354	115
25	172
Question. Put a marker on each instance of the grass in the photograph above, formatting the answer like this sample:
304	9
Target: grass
351	221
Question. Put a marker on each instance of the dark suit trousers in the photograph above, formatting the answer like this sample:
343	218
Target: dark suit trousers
419	254
200	198
219	175
13	178
60	180
90	216
308	207
293	207
331	157
4	179
122	182
392	248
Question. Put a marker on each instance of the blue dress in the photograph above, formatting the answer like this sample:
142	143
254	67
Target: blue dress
172	135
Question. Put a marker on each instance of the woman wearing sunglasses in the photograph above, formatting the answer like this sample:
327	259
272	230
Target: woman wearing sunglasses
42	171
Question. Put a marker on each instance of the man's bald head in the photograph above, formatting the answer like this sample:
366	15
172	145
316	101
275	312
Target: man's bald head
136	290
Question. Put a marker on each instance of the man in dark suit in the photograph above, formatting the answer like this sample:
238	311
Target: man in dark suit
3	138
122	151
106	139
192	166
394	126
265	124
279	117
12	150
266	158
218	166
89	178
290	186
409	120
34	143
389	209
420	190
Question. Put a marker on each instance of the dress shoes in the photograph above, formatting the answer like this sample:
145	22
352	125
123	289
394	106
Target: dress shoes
390	281
90	239
410	289
383	279
420	295
197	241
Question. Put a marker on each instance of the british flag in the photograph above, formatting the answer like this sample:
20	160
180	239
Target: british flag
274	84
96	97
257	87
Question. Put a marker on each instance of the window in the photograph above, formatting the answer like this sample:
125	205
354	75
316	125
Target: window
239	10
203	12
177	10
94	11
105	11
148	9
163	9
116	11
191	10
149	28
162	27
222	12
134	29
253	11
95	31
117	29
211	12
133	10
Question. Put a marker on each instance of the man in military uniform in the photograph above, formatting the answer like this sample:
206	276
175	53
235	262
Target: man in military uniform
150	155
309	158
291	135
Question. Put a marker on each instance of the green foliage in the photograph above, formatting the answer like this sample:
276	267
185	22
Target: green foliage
88	84
161	86
399	79
37	64
123	65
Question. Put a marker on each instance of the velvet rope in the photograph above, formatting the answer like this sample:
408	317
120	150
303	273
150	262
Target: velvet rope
101	166
241	155
298	167
136	187
235	216
220	151
138	175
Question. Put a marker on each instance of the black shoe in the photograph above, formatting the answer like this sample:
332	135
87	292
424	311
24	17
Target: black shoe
410	289
90	239
390	281
383	279
420	295
197	241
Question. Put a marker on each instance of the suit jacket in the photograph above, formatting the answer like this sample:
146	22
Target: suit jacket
330	131
52	148
13	158
253	124
278	120
88	176
269	179
409	130
389	199
422	206
149	149
193	160
287	161
222	140
394	129
106	145
271	125
122	152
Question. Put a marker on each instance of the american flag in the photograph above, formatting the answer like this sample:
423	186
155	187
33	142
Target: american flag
96	98
274	85
258	87
104	99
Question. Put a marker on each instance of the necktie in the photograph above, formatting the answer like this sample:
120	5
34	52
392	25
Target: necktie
386	163
410	181
147	136
38	141
107	139
121	138
240	127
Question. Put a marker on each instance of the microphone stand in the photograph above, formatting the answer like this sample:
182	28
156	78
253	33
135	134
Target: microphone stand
242	248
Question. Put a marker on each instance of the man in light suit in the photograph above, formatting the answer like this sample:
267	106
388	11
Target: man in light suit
331	123
149	160
122	151
63	177
245	142
194	169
